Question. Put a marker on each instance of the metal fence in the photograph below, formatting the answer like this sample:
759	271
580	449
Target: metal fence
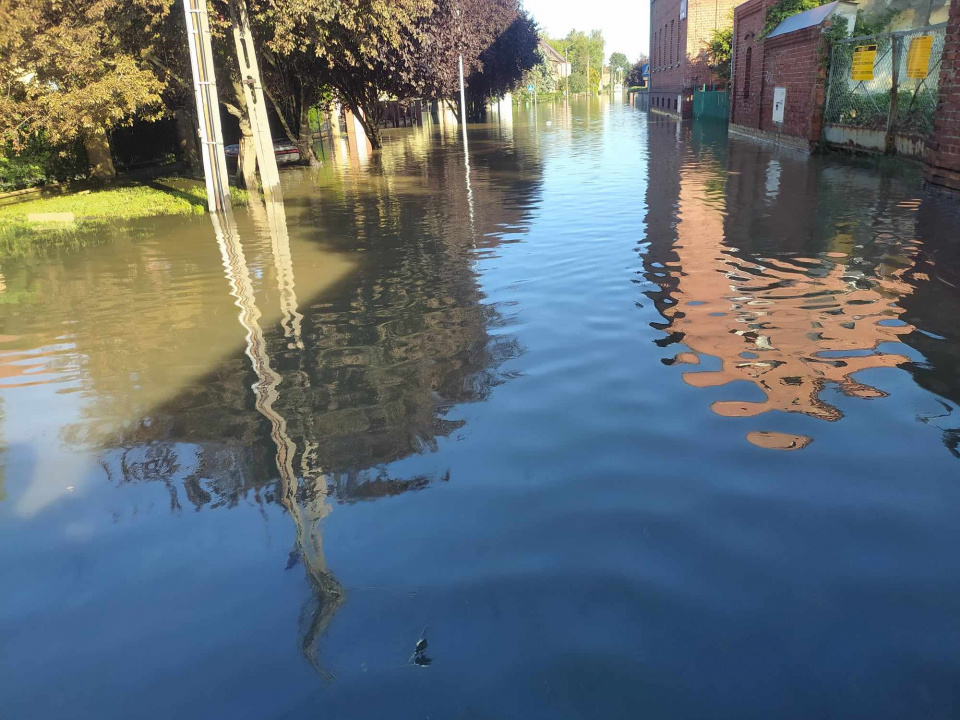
714	104
886	82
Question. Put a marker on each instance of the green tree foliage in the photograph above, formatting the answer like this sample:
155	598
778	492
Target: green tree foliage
718	50
371	50
66	75
782	9
583	51
367	48
635	74
542	78
618	61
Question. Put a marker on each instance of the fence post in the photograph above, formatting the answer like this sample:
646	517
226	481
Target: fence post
890	144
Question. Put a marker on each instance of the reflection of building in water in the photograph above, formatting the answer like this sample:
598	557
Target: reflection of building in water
773	275
934	305
362	375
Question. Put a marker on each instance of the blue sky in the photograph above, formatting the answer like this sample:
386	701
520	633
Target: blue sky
624	23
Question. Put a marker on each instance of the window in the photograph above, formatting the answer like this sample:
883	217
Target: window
748	71
678	45
671	43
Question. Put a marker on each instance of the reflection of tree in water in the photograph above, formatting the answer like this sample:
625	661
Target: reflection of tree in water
3	449
362	376
793	275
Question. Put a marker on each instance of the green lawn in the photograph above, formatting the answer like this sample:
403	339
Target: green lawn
90	208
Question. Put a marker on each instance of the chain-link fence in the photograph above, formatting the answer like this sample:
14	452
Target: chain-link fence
886	82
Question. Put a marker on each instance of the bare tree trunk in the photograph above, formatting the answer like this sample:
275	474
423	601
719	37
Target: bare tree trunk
187	138
247	158
305	137
98	155
370	118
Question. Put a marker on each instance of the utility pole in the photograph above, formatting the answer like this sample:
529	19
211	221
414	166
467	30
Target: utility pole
566	73
463	101
208	106
463	94
253	95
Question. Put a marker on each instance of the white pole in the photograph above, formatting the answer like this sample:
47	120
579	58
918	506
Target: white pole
253	95
208	106
463	100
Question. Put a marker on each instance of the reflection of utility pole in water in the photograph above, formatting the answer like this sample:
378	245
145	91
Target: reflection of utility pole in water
463	124
272	217
306	518
208	106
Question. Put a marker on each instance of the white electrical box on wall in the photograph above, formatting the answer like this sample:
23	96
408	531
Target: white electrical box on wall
779	103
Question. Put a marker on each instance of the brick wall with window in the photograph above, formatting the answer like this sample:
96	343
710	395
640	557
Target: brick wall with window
679	30
791	61
943	147
748	23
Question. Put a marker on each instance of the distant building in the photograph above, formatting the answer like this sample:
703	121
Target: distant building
679	30
778	82
557	64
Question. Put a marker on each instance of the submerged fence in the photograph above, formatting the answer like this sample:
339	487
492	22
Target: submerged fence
713	104
886	83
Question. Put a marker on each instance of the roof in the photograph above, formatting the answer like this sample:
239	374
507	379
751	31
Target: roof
806	19
551	54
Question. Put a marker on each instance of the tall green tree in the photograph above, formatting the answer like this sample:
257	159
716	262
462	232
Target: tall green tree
65	75
618	61
584	52
368	48
718	49
504	63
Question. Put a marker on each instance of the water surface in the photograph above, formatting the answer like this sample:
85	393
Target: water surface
622	417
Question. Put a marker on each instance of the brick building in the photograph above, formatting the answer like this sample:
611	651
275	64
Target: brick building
778	81
943	147
679	30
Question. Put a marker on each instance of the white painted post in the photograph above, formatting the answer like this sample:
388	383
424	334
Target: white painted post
208	106
253	95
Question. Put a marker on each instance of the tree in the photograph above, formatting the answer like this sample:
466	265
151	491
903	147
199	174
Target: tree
618	61
504	63
635	76
368	48
584	52
719	52
457	28
541	76
66	75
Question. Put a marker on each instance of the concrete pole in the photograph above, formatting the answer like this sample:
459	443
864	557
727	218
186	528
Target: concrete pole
253	95
463	97
208	106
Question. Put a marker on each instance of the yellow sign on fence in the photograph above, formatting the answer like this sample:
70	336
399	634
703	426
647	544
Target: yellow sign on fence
918	57
864	57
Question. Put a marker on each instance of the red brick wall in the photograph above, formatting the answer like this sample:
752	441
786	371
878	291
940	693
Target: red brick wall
677	60
791	61
749	20
943	147
702	17
666	73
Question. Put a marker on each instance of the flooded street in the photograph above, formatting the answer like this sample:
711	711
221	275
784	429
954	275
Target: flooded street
624	418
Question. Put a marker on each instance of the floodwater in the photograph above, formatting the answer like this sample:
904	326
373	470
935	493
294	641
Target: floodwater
624	419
